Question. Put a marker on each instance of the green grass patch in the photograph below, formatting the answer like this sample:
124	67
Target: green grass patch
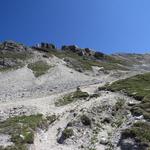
5	68
118	113
66	133
15	55
119	104
86	63
95	95
140	131
16	58
137	87
22	128
39	68
69	98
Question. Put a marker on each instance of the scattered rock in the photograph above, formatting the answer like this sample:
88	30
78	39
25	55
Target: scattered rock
67	133
85	120
103	141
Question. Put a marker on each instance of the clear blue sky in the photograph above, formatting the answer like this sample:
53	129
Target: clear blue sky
105	25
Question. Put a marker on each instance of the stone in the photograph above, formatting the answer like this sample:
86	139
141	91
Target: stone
131	103
107	119
47	46
72	48
99	55
103	141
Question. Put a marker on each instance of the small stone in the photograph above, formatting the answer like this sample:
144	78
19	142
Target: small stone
103	141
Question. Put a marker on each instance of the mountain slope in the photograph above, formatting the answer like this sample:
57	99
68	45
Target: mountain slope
50	98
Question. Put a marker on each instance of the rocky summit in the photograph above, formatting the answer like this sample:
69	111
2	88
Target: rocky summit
73	98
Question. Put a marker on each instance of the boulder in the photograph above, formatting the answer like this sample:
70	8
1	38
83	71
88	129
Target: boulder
89	52
77	50
72	48
47	46
103	141
99	55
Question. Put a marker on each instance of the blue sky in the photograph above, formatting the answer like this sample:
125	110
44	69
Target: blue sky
105	25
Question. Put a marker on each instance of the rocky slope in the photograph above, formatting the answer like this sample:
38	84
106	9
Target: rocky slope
56	99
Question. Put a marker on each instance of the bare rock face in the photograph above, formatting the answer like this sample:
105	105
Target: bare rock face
77	50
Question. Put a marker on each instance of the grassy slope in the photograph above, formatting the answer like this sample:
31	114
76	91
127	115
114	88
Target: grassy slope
14	57
138	87
22	128
69	98
39	68
108	62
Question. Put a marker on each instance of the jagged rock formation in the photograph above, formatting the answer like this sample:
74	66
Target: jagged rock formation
79	51
13	47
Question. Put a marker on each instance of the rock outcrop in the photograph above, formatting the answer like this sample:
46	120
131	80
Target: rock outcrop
13	54
45	46
13	47
79	51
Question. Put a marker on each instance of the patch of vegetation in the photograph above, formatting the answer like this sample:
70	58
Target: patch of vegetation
142	108
86	63
14	58
140	131
94	136
21	129
95	95
67	133
94	139
6	68
18	147
39	68
118	121
137	87
79	94
69	98
51	119
15	55
119	104
118	113
86	120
